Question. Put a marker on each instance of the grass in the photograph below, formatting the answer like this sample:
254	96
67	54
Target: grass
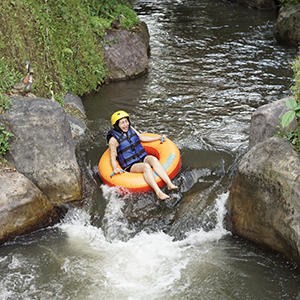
61	39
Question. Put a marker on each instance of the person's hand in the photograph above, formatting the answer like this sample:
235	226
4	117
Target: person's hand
118	170
162	138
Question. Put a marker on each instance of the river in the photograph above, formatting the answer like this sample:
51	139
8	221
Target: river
212	63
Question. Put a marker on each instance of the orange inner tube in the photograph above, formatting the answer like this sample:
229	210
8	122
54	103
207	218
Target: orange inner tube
167	153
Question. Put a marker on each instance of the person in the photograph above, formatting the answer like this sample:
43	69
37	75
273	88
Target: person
125	146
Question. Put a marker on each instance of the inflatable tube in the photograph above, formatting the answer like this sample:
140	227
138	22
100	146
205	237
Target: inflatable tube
166	152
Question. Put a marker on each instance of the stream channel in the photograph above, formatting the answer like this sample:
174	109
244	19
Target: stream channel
212	64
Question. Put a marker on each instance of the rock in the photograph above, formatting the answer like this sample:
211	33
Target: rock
78	127
264	200
126	53
43	148
259	4
75	115
265	122
74	101
23	207
287	28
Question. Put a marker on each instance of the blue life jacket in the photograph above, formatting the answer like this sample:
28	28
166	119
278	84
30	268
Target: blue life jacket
130	149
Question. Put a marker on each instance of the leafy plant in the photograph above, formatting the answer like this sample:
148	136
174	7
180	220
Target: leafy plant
289	116
288	2
294	105
4	137
291	136
4	102
296	69
286	119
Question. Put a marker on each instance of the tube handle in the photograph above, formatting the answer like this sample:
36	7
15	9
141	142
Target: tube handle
115	173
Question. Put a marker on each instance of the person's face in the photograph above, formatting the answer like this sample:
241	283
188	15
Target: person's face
124	124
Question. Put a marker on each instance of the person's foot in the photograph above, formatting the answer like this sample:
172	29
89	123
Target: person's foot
172	186
162	196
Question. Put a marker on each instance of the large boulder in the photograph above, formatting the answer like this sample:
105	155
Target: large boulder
126	52
259	4
264	200
43	148
265	122
287	28
23	207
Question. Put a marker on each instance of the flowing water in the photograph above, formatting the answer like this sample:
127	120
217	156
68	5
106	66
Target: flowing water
212	63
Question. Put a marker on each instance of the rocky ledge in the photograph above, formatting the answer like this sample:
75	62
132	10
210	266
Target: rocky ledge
43	173
264	200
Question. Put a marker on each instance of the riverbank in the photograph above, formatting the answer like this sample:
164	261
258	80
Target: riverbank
63	44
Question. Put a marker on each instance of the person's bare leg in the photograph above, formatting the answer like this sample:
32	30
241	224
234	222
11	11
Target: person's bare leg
160	171
149	177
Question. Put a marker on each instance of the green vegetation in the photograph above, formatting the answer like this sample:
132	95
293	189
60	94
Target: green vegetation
61	39
294	106
8	77
288	2
289	116
286	119
296	87
4	146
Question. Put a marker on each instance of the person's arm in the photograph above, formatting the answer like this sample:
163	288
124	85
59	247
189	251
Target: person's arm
113	144
144	138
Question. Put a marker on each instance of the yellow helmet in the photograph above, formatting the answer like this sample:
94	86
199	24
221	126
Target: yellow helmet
118	115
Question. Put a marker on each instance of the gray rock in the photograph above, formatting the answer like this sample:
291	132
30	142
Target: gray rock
78	128
43	148
75	101
265	122
126	53
264	200
23	207
287	28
